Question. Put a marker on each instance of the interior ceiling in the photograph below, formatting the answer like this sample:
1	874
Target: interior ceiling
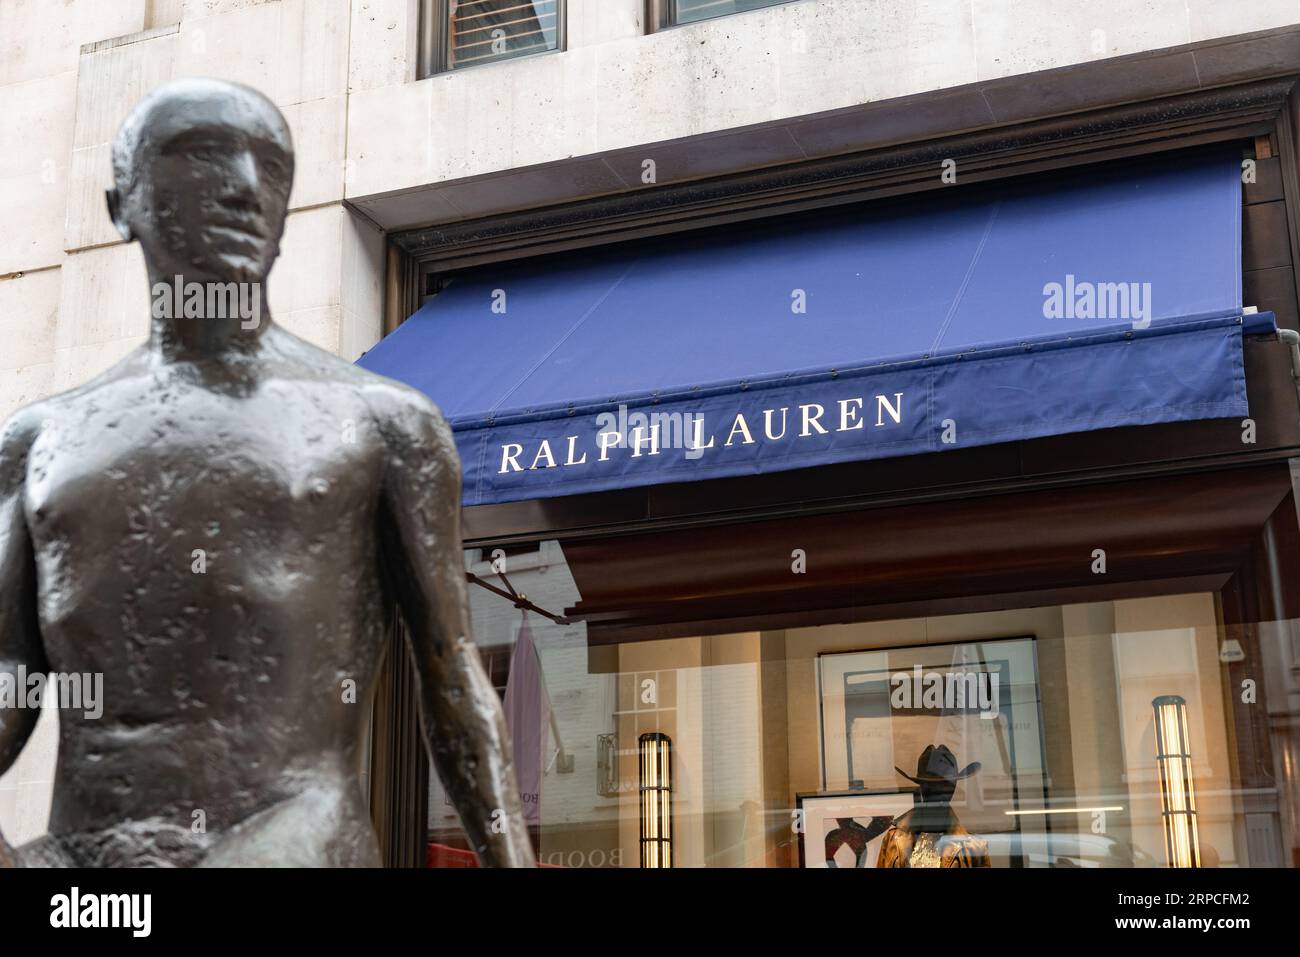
1152	529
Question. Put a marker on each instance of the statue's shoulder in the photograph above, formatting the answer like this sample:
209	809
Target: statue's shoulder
399	410
326	365
131	372
408	417
22	427
400	403
18	431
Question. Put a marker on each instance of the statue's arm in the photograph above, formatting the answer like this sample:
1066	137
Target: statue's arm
463	723
20	636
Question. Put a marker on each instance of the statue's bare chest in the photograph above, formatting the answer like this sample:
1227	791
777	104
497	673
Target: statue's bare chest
190	463
202	541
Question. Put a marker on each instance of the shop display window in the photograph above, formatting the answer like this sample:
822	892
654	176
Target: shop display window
1140	723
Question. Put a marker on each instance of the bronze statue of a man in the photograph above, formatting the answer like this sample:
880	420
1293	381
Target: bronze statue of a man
219	525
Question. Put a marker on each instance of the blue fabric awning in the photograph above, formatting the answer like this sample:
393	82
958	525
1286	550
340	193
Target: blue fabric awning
962	319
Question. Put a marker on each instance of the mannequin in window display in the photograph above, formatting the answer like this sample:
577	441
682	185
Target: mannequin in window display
930	835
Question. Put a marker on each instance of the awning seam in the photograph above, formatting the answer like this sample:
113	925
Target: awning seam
965	282
564	338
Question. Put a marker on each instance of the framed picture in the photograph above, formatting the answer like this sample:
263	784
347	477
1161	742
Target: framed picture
845	829
881	708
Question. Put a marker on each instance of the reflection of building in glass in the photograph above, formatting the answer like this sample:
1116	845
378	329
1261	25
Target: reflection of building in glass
763	722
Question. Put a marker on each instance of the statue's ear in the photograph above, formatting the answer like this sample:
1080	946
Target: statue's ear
115	213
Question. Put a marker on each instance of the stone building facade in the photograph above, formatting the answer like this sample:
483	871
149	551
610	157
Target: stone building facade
381	150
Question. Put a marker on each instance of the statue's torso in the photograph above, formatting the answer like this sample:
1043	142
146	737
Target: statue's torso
215	556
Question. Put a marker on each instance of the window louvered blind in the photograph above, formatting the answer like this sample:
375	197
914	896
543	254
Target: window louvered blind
486	30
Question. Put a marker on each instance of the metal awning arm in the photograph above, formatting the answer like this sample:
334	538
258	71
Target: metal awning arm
516	599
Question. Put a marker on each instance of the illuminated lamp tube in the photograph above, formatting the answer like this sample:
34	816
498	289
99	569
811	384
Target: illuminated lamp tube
1177	794
655	751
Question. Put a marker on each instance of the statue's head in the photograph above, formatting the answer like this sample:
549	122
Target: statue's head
202	170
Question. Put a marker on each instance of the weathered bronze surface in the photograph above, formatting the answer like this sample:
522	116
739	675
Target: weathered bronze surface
218	524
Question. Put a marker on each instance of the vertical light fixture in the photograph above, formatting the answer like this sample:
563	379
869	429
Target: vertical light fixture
656	753
1177	795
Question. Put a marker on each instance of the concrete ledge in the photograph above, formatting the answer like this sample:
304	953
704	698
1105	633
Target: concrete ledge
100	45
973	107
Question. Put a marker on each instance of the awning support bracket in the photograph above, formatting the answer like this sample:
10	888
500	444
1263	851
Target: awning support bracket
561	760
1292	340
514	597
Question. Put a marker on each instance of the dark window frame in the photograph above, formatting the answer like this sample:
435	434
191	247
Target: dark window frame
434	39
662	14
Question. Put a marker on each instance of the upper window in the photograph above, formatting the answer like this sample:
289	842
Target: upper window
461	33
672	12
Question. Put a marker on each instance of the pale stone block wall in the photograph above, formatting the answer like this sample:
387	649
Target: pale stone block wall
615	87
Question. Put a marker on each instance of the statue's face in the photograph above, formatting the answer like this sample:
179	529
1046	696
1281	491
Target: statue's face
211	186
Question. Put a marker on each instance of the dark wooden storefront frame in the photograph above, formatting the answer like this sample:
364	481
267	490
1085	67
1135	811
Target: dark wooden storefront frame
1264	111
